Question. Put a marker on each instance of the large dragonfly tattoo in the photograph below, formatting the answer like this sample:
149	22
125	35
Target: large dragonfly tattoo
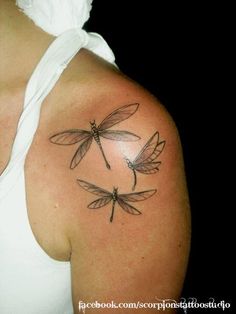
145	162
121	199
73	136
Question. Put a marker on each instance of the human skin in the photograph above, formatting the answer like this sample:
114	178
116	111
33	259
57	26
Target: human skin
134	258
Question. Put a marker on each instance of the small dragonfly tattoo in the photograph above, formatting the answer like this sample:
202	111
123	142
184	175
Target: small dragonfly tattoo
73	136
145	162
121	199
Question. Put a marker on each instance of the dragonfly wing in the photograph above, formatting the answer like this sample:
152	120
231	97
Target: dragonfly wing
93	188
148	168
124	136
69	137
148	149
128	208
158	149
81	151
138	196
100	202
118	115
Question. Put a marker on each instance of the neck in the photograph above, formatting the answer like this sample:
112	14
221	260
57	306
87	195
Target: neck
22	44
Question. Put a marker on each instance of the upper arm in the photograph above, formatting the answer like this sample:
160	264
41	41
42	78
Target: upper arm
134	257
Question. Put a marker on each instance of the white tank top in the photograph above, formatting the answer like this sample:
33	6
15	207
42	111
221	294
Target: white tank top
30	281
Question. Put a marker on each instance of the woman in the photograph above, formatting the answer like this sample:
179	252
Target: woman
72	127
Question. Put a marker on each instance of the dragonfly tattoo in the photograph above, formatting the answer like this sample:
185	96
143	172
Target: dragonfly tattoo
121	199
73	136
145	162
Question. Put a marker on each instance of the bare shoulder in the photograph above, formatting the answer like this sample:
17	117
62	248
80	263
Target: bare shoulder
128	206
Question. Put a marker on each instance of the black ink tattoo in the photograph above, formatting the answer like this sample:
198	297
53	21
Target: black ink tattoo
73	136
144	161
121	199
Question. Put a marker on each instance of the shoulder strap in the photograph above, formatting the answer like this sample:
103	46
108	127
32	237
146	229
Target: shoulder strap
43	79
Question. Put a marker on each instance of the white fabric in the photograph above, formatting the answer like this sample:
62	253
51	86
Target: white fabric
45	76
57	16
30	281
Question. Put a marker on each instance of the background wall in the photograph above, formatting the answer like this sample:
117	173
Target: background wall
179	52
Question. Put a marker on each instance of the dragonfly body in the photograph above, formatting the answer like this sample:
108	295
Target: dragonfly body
94	131
96	136
129	164
114	200
131	167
